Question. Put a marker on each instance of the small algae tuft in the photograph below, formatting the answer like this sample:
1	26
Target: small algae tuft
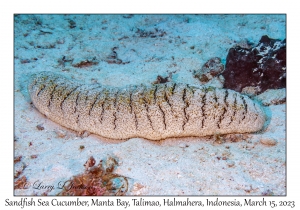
97	180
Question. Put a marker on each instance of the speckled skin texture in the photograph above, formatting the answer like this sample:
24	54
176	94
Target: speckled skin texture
152	112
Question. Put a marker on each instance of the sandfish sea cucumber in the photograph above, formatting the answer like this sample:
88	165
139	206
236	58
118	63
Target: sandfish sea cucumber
152	112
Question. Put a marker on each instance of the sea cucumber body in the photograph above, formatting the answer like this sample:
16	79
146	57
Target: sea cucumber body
152	112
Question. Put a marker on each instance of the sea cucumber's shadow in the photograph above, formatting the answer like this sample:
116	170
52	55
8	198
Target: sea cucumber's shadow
268	113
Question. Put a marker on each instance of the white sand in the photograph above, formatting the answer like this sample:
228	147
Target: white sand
183	166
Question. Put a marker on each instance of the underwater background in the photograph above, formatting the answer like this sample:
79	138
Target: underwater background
124	49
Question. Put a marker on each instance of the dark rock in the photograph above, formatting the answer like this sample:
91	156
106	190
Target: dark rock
262	67
160	80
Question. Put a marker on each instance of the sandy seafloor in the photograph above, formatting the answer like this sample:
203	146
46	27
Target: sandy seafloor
176	166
